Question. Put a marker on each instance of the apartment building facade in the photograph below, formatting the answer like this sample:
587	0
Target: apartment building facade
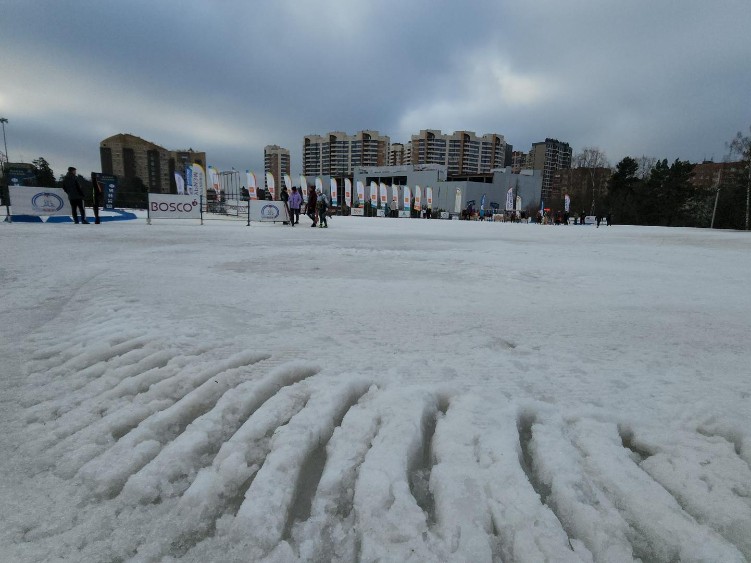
337	154
276	161
463	152
128	156
549	156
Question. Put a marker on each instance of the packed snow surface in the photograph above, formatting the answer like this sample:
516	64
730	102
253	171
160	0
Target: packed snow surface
381	390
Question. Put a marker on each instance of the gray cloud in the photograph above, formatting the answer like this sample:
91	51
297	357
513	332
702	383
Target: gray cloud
668	79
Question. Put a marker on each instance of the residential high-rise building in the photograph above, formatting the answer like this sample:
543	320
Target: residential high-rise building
549	155
463	152
276	161
336	154
128	157
518	161
399	154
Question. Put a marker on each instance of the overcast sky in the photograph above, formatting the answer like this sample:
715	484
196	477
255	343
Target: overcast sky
663	78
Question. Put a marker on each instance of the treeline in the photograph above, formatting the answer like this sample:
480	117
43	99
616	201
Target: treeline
666	196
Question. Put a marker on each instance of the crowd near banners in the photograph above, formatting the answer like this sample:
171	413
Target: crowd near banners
360	192
510	199
108	186
373	194
179	183
429	197
304	188
418	198
394	197
347	192
407	199
270	184
566	203
250	178
458	201
334	190
172	206
199	181
384	195
40	202
268	211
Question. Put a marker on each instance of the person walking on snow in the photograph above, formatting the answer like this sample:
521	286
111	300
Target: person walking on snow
295	201
73	188
284	196
312	201
323	206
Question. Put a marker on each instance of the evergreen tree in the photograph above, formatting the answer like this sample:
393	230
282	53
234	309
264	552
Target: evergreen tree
44	174
623	189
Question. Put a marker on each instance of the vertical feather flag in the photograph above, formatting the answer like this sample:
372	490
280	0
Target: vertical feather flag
384	195
288	182
374	194
180	183
407	198
189	180
304	188
394	197
429	197
199	181
270	184
334	191
252	186
360	192
347	192
418	198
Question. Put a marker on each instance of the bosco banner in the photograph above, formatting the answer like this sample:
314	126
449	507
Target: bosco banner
171	206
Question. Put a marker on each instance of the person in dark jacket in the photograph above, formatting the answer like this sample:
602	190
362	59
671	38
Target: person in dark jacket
312	204
295	201
284	196
323	209
73	188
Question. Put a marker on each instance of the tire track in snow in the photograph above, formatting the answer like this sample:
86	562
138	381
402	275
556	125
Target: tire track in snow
174	468
105	475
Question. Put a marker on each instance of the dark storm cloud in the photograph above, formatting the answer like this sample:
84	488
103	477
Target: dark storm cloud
668	79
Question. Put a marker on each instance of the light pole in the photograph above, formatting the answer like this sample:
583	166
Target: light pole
3	120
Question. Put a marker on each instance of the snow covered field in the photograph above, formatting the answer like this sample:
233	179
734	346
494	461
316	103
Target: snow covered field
384	390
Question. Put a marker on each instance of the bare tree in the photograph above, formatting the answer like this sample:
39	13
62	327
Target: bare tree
591	158
646	164
741	146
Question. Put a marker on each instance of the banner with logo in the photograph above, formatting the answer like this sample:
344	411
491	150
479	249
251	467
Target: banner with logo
199	181
252	185
394	197
334	191
373	194
429	197
288	183
360	192
407	195
271	185
384	195
268	211
25	200
214	179
171	206
482	202
189	181
347	192
108	186
357	212
418	198
518	203
566	203
319	184
458	201
510	199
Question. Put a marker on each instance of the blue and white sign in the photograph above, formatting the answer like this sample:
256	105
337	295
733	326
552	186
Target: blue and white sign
268	211
38	201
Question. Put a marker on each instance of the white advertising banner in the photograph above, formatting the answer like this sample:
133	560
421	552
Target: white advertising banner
394	197
251	178
384	195
38	201
199	180
373	194
357	212
407	199
172	206
510	199
418	198
360	192
268	211
347	192
429	197
458	201
271	184
304	188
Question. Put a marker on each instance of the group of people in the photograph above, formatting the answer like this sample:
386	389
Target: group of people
317	207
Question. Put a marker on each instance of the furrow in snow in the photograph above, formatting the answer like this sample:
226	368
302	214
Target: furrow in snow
172	471
663	531
106	474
